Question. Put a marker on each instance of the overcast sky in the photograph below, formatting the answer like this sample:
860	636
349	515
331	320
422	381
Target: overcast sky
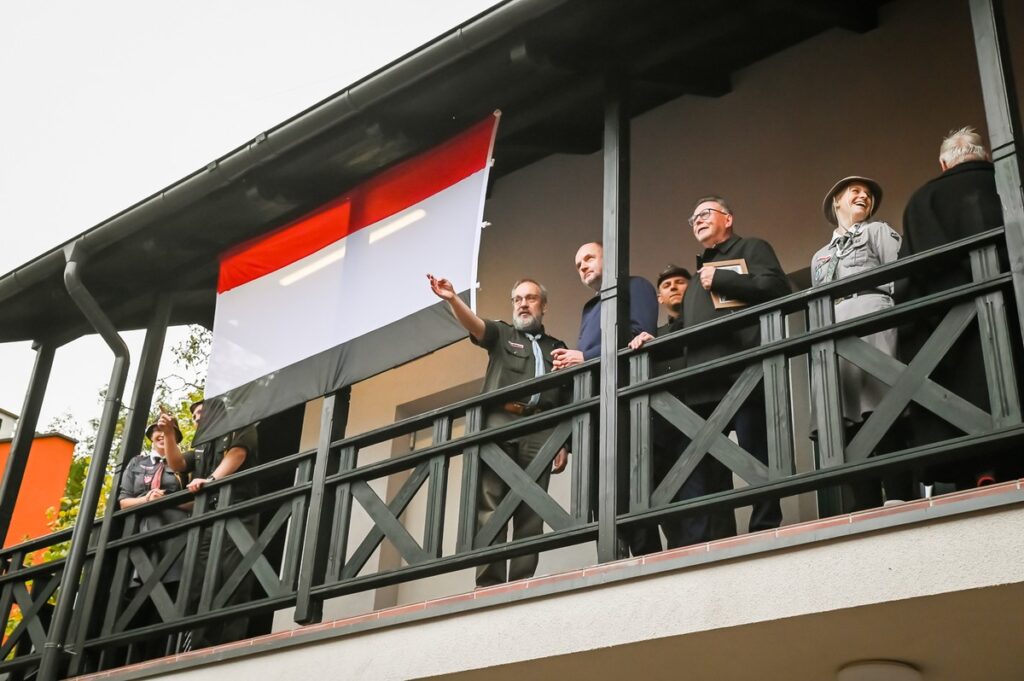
105	102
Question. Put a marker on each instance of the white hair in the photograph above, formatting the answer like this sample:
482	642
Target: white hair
962	145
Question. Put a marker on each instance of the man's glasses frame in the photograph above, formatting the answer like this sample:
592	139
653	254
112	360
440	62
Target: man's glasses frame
704	215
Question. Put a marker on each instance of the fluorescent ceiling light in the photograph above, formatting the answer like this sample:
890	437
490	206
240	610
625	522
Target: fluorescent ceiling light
392	226
315	266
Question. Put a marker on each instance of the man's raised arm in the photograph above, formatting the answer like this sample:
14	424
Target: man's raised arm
444	290
175	459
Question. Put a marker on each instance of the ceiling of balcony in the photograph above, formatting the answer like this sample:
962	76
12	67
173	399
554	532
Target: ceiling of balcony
543	64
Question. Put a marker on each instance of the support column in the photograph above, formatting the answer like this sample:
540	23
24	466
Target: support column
53	651
316	546
131	445
612	476
1003	115
17	459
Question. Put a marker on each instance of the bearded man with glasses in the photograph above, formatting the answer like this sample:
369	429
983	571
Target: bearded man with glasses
516	352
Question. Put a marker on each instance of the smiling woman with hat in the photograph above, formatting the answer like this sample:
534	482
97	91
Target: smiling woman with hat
147	478
859	243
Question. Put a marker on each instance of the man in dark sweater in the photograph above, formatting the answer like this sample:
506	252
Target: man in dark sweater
762	280
515	352
643	307
643	317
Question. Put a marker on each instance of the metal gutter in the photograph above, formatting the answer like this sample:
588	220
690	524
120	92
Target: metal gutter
265	147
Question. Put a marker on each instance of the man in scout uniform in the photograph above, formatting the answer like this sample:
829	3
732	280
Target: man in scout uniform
211	461
516	352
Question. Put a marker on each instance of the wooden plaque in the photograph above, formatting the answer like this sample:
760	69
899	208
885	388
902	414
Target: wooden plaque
722	302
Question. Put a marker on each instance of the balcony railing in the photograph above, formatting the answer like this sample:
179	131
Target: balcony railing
309	549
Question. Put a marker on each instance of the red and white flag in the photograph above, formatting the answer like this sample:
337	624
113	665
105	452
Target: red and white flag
341	294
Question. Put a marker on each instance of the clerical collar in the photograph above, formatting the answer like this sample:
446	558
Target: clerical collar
722	247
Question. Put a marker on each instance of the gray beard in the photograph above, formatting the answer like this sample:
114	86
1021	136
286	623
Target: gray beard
531	325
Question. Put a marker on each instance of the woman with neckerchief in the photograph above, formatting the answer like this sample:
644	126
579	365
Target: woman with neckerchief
859	243
147	478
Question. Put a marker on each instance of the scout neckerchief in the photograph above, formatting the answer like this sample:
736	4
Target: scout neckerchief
538	364
154	479
840	247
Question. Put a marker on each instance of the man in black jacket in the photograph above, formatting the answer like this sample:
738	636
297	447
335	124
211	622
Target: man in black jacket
762	280
668	442
958	203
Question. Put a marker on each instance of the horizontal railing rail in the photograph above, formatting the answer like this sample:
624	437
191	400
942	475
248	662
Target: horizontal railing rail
798	300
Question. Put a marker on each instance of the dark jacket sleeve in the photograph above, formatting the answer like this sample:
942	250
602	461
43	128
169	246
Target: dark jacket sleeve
246	438
190	462
127	487
903	289
764	280
643	306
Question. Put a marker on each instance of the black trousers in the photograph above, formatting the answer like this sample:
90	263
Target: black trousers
159	645
525	521
752	435
709	475
230	558
859	495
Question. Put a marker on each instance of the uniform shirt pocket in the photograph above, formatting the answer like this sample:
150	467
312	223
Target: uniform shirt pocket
516	359
860	249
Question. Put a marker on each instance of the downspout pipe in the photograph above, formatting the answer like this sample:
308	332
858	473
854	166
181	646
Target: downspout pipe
53	650
131	445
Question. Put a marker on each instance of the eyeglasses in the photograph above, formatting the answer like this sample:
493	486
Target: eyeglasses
704	215
529	298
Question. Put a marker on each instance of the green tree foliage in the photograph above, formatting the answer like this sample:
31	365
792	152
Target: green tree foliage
173	393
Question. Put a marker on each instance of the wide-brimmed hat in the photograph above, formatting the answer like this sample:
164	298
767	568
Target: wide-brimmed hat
672	271
177	432
876	195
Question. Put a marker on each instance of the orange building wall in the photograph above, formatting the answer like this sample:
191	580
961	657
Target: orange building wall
45	477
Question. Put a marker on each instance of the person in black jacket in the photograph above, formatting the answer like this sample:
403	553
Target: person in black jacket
762	280
668	442
960	202
226	456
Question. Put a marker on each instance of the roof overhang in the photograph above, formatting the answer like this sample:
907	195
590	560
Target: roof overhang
544	63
